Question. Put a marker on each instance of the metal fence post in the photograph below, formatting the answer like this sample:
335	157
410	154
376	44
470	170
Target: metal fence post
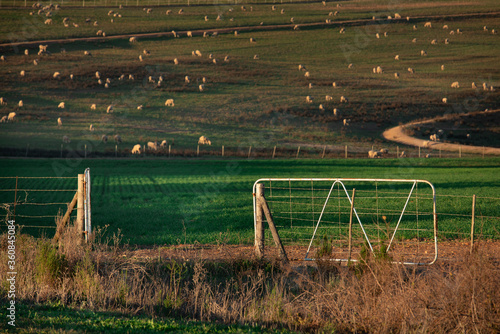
80	206
472	222
350	225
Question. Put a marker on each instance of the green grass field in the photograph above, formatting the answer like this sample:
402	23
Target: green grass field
245	101
177	201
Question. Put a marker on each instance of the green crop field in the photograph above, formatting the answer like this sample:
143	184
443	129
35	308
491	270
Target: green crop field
172	201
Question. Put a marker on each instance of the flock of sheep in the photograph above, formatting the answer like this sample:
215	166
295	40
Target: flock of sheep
138	148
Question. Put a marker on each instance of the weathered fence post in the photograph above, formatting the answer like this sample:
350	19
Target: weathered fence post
346	151
472	223
259	226
350	225
397	151
62	224
460	151
274	151
261	204
198	150
80	206
298	150
222	150
324	150
419	151
169	148
249	151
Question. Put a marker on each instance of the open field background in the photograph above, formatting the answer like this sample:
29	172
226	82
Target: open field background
246	101
175	201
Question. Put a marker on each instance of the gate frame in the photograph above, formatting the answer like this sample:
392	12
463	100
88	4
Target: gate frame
341	180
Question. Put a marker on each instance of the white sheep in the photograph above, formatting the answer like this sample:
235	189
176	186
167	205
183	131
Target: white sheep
445	100
3	101
307	74
423	53
186	79
176	61
35	62
26	52
343	99
201	87
109	109
104	139
397	16
131	77
428	25
118	139
132	39
328	98
342	31
474	86
446	41
93	106
377	35
255	57
59	121
164	143
434	137
442	67
174	34
66	140
346	121
434	42
22	73
415	27
152	146
169	103
426	144
87	53
91	128
11	116
204	80
445	26
20	103
335	112
2	58
403	154
181	11
411	70
3	119
350	66
334	84
62	105
57	75
136	149
373	154
379	70
455	85
168	12
139	107
310	85
396	57
309	99
189	34
140	58
198	53
204	141
396	75
493	31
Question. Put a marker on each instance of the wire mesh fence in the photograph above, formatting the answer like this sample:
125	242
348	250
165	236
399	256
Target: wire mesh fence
388	217
35	202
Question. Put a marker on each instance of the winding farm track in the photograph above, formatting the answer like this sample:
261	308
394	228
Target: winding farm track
397	134
345	23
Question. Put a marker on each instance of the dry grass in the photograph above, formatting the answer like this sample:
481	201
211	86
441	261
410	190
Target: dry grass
374	296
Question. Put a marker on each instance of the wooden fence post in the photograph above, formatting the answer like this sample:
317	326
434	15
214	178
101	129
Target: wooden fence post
274	151
346	151
472	223
419	151
460	151
198	150
249	151
79	206
62	224
259	226
324	150
350	225
397	151
169	148
298	150
262	205
222	150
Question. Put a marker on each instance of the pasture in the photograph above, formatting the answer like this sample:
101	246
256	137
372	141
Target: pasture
246	101
188	201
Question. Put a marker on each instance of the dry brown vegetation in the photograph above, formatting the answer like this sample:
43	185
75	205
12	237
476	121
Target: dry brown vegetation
371	296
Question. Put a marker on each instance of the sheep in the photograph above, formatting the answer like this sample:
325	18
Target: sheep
109	109
335	112
164	143
474	86
493	31
226	58
174	34
87	53
139	107
61	105
452	32
373	154
189	34
91	128
350	66
104	139
3	101
136	149
309	99
321	107
59	121
205	34
57	75
384	151
346	121
22	73
396	75
342	31
93	106
198	53
423	53
214	61
459	31
428	155
106	85
252	40
99	82
108	80
379	70
307	74
2	58
218	18
415	27
428	25
131	77
334	84
140	58
20	104
282	11
48	21
414	40
169	103
426	143
176	61
442	67
328	98
397	16
445	100
236	33
71	76
445	26
446	41
181	11
99	32
204	80
168	12
201	87
3	119
396	57
403	154
411	70
434	42
310	85
11	116
118	139
132	39
434	137
146	52
66	140
343	99
204	141
377	35
455	85
26	52
152	146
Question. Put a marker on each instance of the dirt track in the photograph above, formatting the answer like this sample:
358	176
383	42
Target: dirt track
397	134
